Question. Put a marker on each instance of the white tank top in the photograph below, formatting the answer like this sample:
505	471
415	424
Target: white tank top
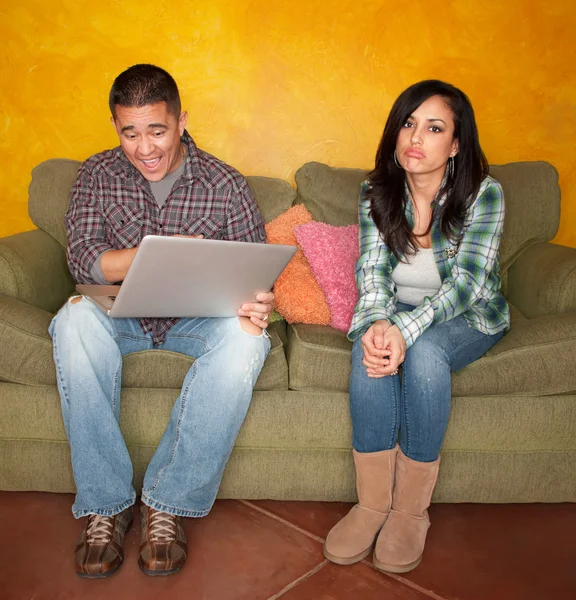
417	278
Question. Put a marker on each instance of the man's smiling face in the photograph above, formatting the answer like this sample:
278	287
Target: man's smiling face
150	138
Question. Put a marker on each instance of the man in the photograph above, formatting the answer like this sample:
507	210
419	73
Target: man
156	182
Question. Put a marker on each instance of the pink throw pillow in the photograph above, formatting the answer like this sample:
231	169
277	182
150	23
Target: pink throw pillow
332	253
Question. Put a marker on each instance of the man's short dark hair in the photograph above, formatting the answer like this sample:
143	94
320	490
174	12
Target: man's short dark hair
142	85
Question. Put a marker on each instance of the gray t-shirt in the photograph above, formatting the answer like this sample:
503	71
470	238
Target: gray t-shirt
418	278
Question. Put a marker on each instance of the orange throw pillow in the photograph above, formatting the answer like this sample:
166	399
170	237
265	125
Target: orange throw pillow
299	298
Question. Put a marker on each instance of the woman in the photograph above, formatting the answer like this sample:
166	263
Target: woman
429	301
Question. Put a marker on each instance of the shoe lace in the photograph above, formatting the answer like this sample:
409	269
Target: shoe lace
162	526
100	529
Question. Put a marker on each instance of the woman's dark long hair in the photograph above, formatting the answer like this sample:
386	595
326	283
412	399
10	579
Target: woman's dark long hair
387	194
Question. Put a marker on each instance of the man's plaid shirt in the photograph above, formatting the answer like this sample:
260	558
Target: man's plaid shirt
112	207
469	270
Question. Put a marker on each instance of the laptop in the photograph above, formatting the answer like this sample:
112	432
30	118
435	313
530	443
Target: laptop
191	277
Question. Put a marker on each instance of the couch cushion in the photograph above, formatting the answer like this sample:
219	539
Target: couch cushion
534	358
26	355
532	198
52	180
163	369
319	358
330	194
274	196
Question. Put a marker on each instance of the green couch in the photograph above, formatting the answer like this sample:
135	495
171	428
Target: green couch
512	430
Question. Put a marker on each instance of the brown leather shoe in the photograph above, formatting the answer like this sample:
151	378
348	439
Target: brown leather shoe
100	551
163	547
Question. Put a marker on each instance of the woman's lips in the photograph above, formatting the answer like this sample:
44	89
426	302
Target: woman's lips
413	153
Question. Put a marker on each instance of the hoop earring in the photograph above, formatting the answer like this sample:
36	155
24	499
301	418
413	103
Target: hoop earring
396	160
450	167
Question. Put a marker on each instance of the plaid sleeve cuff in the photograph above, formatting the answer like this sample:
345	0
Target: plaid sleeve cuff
412	324
362	320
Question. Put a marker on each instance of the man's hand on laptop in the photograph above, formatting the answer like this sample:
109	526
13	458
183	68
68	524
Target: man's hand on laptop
259	312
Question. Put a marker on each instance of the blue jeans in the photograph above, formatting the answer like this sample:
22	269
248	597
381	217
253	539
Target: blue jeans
413	408
186	470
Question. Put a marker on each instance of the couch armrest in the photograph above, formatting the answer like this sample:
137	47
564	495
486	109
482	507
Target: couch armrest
33	269
542	281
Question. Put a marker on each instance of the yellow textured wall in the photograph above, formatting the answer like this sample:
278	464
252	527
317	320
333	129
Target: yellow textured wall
271	85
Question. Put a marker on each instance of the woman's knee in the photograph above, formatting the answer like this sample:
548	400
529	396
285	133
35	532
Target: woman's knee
426	349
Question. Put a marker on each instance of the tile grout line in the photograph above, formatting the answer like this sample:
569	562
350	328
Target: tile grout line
405	582
281	520
394	576
300	579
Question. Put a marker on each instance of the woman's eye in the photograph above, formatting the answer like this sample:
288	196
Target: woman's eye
408	124
435	129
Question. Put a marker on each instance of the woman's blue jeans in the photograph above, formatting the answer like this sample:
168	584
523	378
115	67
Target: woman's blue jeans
185	472
413	408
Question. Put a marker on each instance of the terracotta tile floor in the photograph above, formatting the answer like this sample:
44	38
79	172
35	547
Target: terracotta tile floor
267	550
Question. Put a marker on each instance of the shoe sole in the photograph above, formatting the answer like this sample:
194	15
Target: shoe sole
99	575
346	560
157	573
396	568
108	573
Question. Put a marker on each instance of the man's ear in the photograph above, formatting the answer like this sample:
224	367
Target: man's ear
182	122
455	147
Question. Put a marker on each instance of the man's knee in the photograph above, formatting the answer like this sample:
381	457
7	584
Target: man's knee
79	318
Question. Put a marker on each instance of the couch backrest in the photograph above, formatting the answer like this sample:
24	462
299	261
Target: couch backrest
49	195
532	197
331	195
531	192
52	180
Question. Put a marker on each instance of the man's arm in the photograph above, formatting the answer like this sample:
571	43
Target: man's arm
244	222
85	228
115	263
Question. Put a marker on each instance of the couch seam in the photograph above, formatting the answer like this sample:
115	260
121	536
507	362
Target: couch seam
494	395
563	290
12	271
313	448
20	330
322	449
535	345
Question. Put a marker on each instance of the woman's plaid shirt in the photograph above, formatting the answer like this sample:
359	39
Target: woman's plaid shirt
469	270
112	207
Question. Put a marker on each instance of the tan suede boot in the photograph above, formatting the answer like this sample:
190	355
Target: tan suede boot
401	541
351	539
